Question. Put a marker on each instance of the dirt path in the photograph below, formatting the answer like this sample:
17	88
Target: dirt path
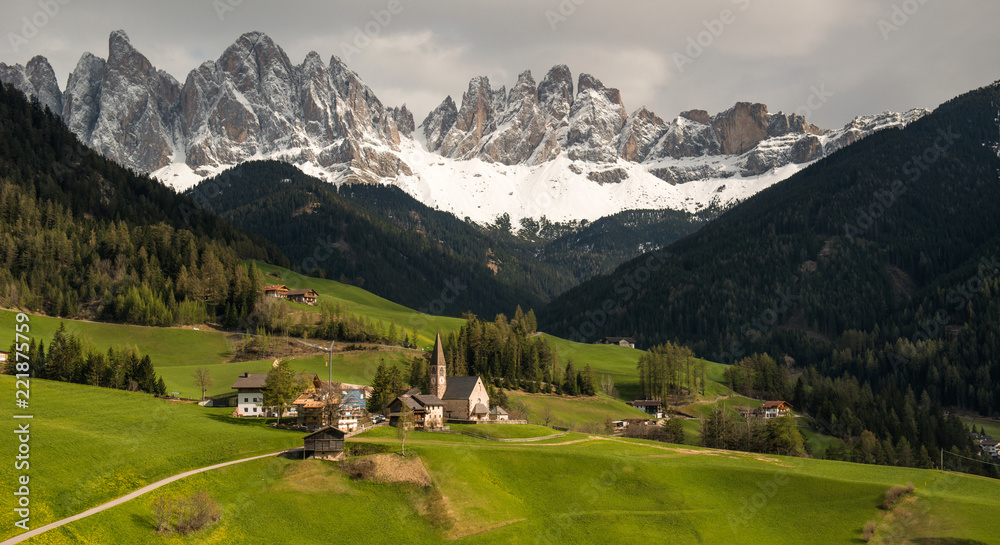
144	490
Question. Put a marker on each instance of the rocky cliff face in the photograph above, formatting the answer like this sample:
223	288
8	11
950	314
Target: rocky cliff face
36	79
250	102
254	102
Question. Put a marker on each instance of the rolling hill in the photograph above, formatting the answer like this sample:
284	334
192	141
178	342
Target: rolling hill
577	488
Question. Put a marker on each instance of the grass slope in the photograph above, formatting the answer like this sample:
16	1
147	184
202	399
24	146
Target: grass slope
90	445
363	303
165	346
574	412
578	490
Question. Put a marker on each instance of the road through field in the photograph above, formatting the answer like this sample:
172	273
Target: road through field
144	490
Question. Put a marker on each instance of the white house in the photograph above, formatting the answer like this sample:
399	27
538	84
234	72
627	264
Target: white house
250	395
991	447
649	406
775	409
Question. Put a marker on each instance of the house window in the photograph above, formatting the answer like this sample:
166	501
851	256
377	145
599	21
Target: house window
255	409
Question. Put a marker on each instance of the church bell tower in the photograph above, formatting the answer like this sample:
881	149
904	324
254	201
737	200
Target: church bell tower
438	370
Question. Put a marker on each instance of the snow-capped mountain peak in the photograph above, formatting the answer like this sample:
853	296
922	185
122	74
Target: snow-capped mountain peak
549	148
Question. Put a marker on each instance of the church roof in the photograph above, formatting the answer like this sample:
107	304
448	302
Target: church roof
460	387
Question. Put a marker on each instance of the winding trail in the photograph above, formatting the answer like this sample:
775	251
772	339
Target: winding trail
131	496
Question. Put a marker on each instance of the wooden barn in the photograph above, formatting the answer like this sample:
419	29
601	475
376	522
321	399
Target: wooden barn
325	444
309	297
278	290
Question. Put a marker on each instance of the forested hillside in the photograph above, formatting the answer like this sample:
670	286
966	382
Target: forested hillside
874	269
83	237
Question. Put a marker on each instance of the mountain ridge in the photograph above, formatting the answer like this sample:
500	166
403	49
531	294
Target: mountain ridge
573	148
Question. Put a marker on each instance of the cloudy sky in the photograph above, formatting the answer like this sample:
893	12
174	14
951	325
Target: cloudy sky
829	60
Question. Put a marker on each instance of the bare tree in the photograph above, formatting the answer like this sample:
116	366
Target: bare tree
202	380
403	426
162	510
517	410
547	415
608	385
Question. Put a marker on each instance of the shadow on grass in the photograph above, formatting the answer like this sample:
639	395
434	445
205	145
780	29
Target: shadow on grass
144	521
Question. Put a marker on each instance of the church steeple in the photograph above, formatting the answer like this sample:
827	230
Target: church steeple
438	370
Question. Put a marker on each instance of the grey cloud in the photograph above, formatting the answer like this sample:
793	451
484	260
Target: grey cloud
772	52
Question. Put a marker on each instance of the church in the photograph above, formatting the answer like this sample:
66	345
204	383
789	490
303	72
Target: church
454	398
464	398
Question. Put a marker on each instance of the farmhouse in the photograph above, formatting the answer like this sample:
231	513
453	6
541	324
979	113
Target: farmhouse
428	410
3	357
990	447
774	409
326	444
278	290
648	406
250	394
620	341
309	297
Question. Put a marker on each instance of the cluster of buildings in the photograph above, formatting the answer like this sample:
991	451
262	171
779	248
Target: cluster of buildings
321	404
451	399
768	409
627	342
280	291
990	446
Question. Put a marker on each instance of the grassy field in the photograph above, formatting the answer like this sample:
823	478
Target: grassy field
579	490
574	412
505	431
703	409
165	346
351	367
992	427
363	303
90	445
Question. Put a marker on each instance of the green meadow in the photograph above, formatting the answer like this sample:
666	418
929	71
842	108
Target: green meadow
363	303
578	490
90	445
574	412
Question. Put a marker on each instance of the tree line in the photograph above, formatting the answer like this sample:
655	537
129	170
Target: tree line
71	359
508	353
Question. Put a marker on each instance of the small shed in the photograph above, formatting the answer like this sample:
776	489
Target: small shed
326	444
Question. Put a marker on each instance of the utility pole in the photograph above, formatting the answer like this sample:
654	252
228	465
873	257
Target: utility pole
330	364
942	459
